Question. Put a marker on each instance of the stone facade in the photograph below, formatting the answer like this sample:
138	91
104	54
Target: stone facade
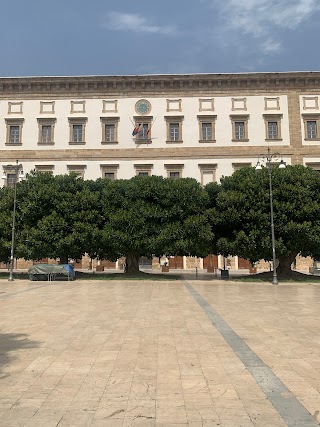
202	126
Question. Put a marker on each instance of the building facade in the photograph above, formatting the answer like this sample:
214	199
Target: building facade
202	126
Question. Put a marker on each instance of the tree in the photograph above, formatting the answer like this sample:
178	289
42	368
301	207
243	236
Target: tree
241	213
152	216
56	217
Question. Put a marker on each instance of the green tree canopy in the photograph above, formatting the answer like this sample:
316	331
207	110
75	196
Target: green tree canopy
6	209
56	217
241	214
147	216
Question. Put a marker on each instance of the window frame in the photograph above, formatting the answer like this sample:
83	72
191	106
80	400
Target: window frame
311	118
10	170
239	165
73	121
176	168
208	168
111	168
174	120
17	123
46	122
105	121
273	118
237	118
45	168
78	169
211	119
143	168
145	120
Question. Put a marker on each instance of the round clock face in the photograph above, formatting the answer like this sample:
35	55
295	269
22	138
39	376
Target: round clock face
143	107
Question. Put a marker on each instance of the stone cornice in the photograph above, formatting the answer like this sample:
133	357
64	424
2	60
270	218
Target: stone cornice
149	154
153	85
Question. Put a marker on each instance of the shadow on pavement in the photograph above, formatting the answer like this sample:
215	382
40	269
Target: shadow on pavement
11	343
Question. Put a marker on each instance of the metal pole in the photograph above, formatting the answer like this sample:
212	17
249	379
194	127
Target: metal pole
275	278
11	279
196	266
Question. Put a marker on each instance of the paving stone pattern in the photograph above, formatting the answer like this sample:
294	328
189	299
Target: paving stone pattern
150	354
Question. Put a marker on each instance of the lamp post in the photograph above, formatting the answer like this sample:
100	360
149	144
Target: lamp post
267	158
18	170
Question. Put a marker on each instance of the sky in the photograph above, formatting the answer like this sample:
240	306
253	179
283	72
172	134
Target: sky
126	37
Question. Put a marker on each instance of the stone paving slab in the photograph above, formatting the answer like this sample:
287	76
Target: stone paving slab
147	353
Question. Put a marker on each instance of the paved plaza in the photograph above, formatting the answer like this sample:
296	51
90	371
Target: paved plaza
159	353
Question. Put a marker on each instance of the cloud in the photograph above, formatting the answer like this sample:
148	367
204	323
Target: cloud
263	20
137	23
271	46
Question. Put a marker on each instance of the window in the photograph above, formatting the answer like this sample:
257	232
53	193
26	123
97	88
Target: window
143	170
46	131
11	179
238	166
109	171
239	128
77	133
272	130
144	123
311	127
109	130
174	171
174	174
206	128
174	132
77	130
174	129
14	131
109	175
273	126
206	131
208	173
77	169
46	134
110	133
14	134
45	168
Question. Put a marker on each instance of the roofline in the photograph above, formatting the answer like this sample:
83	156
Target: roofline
157	84
250	73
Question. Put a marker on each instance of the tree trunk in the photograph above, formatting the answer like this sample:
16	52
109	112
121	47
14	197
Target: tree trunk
64	259
132	264
284	267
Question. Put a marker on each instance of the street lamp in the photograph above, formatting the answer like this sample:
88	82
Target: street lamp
18	170
267	158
